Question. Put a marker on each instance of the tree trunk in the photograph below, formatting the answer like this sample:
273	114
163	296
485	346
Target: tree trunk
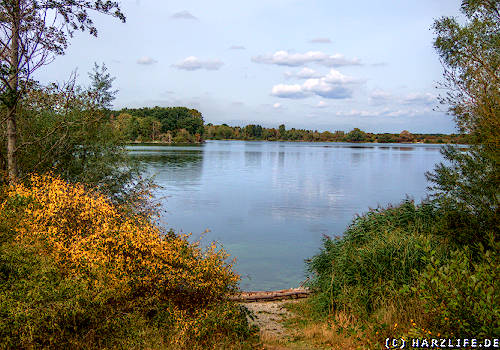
13	91
11	144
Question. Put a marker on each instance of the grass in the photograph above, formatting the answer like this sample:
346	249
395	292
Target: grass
396	273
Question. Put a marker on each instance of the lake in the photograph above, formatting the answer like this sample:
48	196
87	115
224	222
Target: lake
270	203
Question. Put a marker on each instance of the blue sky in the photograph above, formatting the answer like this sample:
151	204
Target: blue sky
315	64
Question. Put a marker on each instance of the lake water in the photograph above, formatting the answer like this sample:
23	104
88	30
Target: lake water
270	203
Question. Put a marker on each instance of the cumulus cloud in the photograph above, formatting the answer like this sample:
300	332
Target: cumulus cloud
334	85
320	41
335	77
195	63
237	47
284	58
146	60
288	91
304	73
183	15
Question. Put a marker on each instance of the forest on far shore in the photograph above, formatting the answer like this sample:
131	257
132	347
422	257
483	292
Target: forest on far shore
182	125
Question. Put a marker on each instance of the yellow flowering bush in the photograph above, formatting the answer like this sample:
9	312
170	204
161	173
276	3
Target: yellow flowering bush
77	271
87	234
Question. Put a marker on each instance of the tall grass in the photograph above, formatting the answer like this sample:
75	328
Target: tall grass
377	256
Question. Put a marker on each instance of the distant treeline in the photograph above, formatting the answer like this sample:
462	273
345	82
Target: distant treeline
257	132
185	125
159	124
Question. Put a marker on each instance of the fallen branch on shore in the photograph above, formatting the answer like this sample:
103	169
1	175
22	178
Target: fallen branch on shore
293	293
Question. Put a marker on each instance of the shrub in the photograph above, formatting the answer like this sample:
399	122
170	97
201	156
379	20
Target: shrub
462	295
75	270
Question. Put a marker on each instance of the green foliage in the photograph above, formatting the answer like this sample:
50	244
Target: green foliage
150	123
466	190
385	138
252	131
101	86
356	135
63	130
377	255
467	187
471	58
462	294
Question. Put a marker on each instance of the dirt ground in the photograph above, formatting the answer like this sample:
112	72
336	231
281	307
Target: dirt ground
269	316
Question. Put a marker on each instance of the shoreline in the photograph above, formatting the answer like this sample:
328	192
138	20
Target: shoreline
160	143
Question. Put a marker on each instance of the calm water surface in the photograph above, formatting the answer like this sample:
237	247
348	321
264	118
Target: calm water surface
270	203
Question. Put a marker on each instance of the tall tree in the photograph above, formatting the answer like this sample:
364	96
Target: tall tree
32	33
102	86
468	185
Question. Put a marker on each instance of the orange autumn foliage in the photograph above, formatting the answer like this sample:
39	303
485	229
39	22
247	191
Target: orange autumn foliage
88	236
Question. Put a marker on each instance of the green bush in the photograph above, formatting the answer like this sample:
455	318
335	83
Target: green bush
461	295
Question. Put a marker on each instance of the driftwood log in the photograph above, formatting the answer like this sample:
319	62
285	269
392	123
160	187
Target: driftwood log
293	293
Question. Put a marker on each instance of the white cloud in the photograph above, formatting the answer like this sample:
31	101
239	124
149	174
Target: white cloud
237	47
304	73
335	77
284	58
183	15
322	104
146	60
325	89
277	105
194	63
334	85
320	41
288	91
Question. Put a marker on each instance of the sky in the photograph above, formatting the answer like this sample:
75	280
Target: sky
314	64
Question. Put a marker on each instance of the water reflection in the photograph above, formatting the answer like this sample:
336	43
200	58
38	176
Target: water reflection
356	157
181	167
253	159
269	203
169	158
281	159
404	148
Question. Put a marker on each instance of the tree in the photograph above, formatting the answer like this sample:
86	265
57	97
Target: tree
468	186
406	136
32	33
63	131
282	131
101	86
356	135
